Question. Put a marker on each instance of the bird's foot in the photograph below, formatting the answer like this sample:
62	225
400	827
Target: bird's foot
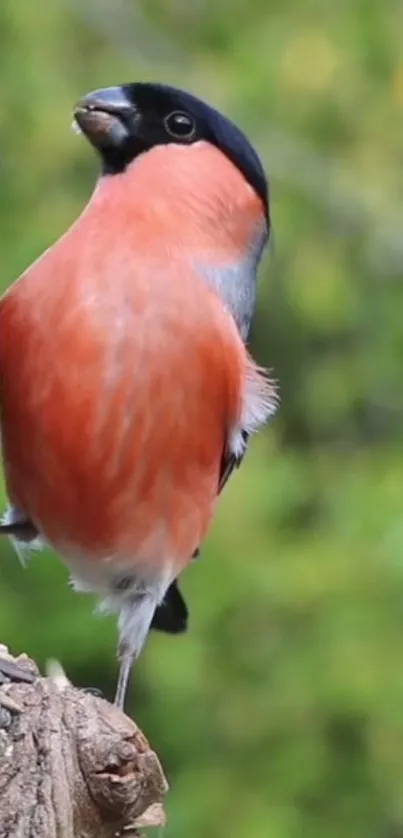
93	691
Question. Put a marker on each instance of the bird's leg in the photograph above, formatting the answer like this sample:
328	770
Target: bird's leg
125	670
136	614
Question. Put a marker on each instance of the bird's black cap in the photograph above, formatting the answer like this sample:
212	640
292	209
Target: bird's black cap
122	122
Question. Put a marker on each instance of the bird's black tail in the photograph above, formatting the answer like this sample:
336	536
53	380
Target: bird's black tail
24	530
172	615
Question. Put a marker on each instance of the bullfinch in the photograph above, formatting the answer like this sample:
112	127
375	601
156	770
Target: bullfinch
127	394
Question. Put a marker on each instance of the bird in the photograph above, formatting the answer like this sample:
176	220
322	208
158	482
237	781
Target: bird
127	390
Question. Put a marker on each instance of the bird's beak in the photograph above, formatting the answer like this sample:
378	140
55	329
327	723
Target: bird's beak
104	117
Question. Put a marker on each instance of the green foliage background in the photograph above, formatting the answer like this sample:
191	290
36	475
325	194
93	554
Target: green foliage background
280	715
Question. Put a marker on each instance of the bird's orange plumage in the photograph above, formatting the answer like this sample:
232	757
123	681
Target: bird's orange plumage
115	407
127	396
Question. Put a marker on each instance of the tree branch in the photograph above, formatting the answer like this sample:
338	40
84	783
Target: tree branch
71	765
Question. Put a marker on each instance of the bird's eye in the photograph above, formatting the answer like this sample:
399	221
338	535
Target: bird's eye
180	125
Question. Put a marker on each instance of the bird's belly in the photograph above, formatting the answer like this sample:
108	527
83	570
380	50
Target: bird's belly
144	507
119	473
115	411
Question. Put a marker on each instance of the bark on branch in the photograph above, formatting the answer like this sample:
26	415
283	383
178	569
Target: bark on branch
72	765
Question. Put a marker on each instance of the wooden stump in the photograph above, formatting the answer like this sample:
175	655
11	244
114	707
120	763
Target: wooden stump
72	765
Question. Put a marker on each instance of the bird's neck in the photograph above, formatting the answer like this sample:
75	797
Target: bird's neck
189	197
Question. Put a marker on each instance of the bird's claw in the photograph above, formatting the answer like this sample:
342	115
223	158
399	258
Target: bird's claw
93	691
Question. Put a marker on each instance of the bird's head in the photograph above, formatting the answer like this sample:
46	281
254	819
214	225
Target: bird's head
189	154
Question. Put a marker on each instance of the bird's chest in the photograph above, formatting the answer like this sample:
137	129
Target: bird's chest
96	449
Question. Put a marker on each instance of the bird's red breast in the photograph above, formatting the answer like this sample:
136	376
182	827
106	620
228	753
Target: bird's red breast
122	375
